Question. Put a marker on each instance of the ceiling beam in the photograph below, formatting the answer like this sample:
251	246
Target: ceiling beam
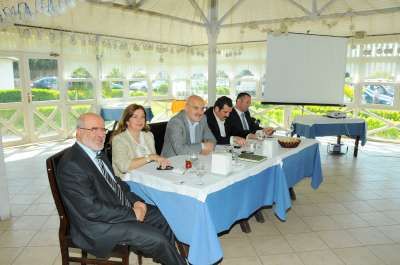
308	18
314	9
199	10
230	11
302	8
146	12
322	9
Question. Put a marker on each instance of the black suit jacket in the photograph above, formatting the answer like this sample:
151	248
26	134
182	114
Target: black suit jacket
213	125
92	207
236	126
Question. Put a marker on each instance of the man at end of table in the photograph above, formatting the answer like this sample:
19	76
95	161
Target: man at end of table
100	207
242	124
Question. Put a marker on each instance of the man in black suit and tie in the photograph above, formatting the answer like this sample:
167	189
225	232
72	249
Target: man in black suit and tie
101	209
242	124
216	119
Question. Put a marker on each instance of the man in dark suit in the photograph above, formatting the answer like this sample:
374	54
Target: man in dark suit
216	119
242	124
101	209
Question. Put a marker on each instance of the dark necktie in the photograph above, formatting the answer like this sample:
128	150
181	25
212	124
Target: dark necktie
245	125
112	183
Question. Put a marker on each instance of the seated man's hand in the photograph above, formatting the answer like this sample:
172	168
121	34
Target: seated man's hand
239	140
269	131
163	162
251	136
208	147
140	209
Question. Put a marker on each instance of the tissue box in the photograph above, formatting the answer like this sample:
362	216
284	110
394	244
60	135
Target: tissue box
221	163
270	148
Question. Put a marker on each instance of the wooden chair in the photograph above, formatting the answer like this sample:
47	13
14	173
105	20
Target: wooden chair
120	251
158	129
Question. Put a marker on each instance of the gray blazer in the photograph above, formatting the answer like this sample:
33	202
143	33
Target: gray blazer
177	136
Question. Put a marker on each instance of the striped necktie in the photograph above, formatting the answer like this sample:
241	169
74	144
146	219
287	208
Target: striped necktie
245	125
112	183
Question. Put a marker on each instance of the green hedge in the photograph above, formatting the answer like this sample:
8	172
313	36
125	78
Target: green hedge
10	95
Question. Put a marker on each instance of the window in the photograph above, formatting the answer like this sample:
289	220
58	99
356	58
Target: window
380	94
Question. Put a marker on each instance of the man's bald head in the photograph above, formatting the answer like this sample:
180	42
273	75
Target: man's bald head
194	108
90	131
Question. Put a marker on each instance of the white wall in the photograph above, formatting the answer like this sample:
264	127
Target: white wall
6	73
4	200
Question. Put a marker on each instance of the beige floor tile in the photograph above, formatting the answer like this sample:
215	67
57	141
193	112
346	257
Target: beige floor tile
339	239
45	238
267	245
40	209
377	219
358	256
333	208
37	256
369	236
7	224
24	199
384	205
262	229
18	209
392	232
358	207
320	257
236	248
343	196
349	221
292	225
8	255
13	238
236	232
29	222
305	242
282	259
319	223
395	215
308	210
53	222
390	254
241	261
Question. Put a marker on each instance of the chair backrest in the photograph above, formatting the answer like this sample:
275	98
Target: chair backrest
177	105
108	145
158	129
52	163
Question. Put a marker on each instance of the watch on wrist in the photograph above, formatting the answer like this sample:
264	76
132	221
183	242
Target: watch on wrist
147	157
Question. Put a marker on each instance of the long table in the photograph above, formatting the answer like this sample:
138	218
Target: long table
198	212
312	126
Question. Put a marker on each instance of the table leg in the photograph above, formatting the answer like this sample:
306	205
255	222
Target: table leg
356	146
259	217
339	138
292	194
183	249
245	226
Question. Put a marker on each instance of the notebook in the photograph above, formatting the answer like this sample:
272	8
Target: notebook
251	157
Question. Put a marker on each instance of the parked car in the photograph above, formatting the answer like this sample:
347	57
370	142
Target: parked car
49	82
138	85
378	94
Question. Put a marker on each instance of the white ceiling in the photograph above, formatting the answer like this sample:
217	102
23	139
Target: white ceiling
180	22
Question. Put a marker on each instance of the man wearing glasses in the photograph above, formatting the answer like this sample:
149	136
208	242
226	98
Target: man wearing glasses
188	131
101	209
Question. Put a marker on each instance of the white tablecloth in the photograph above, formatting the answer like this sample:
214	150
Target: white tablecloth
189	183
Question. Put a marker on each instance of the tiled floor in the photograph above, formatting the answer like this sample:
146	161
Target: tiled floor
352	219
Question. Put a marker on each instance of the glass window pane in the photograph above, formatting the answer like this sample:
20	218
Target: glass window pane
44	83
160	87
112	89
10	82
179	89
378	94
223	87
80	90
248	86
138	88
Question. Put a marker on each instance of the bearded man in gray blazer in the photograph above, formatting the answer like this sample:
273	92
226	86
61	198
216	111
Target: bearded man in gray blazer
188	131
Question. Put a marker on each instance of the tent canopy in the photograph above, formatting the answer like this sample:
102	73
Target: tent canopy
185	21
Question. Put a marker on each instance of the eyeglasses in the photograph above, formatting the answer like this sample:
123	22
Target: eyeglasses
95	129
